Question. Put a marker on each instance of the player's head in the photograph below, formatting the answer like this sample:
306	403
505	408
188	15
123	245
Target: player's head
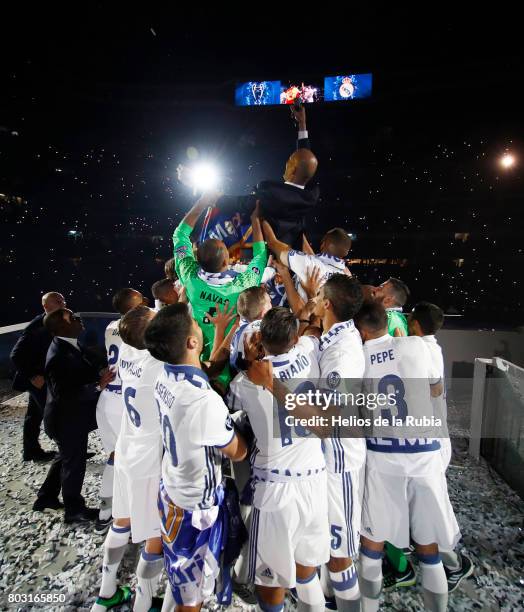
213	256
164	291
126	299
393	293
52	301
341	295
336	242
279	331
63	322
372	321
253	303
425	319
301	167
368	292
173	336
133	325
169	269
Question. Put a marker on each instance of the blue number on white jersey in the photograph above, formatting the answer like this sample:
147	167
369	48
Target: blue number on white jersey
169	440
285	430
391	380
112	354
134	415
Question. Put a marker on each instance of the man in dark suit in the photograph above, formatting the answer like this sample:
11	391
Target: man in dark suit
284	204
72	376
28	356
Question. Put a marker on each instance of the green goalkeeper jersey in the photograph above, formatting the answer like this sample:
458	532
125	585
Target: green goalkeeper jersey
206	290
396	319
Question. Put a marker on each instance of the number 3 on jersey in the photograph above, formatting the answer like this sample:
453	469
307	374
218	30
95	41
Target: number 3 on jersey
134	415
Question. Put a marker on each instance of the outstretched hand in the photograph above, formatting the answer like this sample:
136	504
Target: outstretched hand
222	318
312	282
299	116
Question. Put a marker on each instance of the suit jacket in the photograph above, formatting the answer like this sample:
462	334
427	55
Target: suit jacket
283	206
71	376
29	353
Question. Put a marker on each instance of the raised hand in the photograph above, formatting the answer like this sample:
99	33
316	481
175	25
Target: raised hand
222	318
312	282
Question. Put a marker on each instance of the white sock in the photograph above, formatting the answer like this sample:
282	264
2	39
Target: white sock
370	578
310	595
114	548
325	582
434	583
450	559
169	600
148	573
345	586
106	491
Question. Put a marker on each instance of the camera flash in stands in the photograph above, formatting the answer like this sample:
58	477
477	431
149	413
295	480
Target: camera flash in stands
507	160
204	177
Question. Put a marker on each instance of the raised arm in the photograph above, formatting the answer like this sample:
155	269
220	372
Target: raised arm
300	119
207	200
280	249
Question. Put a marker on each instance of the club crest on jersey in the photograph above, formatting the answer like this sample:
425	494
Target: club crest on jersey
181	252
255	270
333	379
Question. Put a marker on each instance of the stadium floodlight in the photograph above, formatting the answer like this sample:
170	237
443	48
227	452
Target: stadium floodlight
507	160
200	177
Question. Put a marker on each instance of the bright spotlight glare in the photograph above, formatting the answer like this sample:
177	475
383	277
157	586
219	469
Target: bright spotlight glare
204	177
507	160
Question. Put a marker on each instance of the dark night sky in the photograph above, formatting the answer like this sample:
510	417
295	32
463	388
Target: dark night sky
105	102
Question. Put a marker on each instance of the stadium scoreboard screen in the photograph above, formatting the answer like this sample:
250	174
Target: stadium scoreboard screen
340	88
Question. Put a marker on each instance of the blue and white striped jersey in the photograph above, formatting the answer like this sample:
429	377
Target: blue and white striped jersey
195	426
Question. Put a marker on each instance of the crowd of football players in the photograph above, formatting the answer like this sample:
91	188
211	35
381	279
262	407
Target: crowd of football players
231	479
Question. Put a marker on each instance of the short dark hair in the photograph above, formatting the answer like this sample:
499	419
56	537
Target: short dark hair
54	321
122	298
161	287
340	239
278	329
372	316
169	269
133	325
250	303
210	255
166	336
345	294
430	317
400	290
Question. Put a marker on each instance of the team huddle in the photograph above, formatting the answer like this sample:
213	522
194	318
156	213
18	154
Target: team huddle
210	463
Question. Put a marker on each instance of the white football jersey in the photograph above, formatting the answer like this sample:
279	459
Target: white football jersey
113	343
281	449
437	359
195	425
302	264
402	366
244	331
342	364
139	445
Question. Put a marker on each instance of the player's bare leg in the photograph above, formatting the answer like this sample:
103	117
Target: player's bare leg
309	590
114	547
370	574
434	581
148	574
344	581
270	599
